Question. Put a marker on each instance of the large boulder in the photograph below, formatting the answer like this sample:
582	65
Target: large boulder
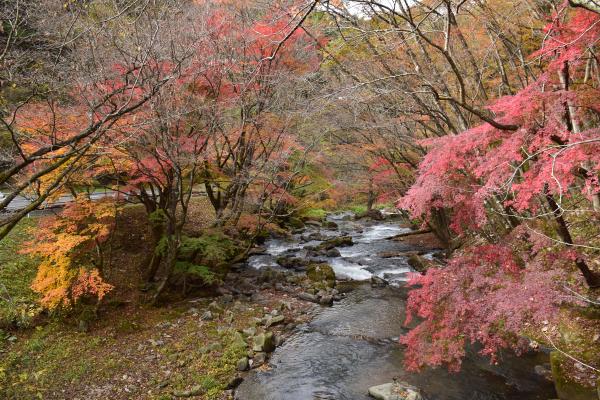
375	215
395	391
296	263
318	273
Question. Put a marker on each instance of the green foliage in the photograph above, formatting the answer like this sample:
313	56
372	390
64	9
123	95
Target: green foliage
314	213
197	271
18	303
162	246
358	209
157	217
213	249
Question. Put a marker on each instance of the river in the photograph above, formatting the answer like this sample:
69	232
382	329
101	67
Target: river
353	345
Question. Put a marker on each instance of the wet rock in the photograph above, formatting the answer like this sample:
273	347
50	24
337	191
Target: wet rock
259	359
263	342
278	341
340	241
395	391
295	263
378	282
333	253
257	251
242	364
418	263
321	273
330	225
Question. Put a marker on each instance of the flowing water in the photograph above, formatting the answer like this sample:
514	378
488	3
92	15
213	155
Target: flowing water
354	345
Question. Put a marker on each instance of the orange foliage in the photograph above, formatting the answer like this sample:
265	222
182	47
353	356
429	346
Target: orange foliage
68	246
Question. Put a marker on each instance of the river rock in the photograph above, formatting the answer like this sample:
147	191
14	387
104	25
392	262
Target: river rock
259	359
295	263
321	273
395	391
378	282
275	320
340	241
326	300
263	342
242	364
418	263
333	253
375	215
330	225
207	316
308	297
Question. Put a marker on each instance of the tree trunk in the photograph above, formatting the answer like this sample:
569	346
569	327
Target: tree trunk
592	279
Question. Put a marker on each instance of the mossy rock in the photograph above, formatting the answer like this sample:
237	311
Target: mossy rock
565	388
418	263
321	273
340	241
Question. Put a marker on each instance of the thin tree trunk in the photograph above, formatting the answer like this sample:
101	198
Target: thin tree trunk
592	279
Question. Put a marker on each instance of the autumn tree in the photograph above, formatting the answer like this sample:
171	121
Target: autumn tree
517	189
51	124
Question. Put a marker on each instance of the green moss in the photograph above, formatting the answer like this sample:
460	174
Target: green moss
314	213
358	209
567	389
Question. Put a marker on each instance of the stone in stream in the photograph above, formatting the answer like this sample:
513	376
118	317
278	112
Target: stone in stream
340	241
395	391
321	273
377	282
418	263
333	253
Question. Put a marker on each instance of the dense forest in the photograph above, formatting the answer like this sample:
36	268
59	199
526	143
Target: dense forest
193	190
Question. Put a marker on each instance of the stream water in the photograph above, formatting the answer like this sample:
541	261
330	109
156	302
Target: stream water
354	345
